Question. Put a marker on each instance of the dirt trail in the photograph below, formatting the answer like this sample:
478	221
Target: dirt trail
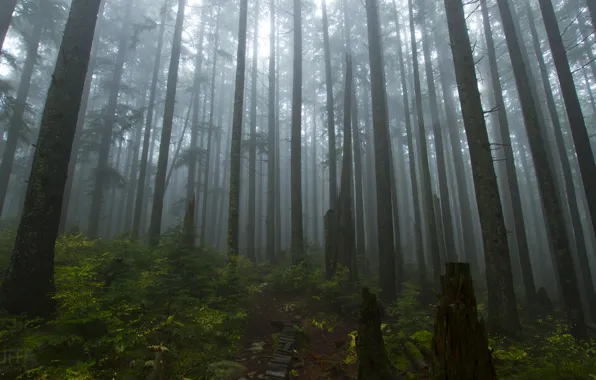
322	350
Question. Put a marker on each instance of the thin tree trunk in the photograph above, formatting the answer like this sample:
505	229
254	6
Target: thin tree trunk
140	197
422	142
210	127
252	160
330	111
99	185
166	131
296	141
17	119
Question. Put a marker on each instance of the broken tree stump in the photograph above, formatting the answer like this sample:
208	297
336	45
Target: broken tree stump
460	343
373	361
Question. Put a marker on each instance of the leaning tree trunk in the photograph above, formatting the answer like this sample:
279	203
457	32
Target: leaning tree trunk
29	282
512	176
80	122
546	178
502	306
166	130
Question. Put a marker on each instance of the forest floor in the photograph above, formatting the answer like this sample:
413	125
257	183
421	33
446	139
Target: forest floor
325	347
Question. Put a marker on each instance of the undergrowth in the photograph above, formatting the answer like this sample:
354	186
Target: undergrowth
125	308
129	311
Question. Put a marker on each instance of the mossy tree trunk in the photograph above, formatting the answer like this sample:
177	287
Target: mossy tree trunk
29	281
502	306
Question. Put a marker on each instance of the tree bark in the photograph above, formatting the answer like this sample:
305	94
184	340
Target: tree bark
547	190
235	150
382	156
29	282
166	130
296	141
512	177
140	196
502	306
460	343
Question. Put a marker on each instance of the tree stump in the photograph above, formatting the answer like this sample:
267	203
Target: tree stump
460	343
373	361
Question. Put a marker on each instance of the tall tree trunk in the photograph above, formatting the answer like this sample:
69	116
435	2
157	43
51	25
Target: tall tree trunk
17	122
512	177
166	130
99	185
315	197
29	283
417	238
445	206
210	132
585	157
545	177
252	160
296	149
80	122
422	142
272	158
236	135
192	164
471	249
344	240
278	220
502	306
382	156
140	197
580	138
330	111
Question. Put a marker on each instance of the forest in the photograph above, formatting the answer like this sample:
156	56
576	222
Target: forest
297	189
